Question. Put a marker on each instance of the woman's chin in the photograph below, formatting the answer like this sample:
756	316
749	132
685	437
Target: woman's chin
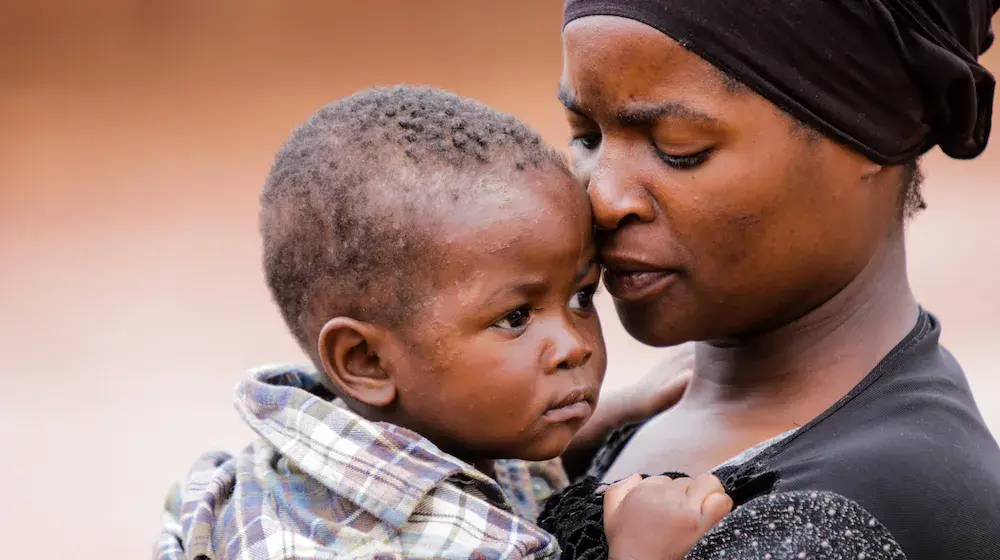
653	326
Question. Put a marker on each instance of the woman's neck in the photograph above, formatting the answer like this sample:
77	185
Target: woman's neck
807	365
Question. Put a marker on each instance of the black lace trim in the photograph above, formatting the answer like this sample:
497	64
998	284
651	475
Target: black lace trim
575	516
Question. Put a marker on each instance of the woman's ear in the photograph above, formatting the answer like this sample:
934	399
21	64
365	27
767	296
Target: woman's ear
349	351
870	169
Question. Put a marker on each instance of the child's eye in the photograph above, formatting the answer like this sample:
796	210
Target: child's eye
588	141
584	299
516	319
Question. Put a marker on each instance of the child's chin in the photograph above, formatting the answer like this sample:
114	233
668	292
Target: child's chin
549	446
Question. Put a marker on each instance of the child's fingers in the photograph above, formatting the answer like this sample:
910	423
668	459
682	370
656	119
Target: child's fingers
703	486
714	508
615	493
709	497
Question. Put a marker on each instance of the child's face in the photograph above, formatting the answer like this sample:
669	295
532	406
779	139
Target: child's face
506	358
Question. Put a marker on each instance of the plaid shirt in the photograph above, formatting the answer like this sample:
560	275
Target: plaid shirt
322	482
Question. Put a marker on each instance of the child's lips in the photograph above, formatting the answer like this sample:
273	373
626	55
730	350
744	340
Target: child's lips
580	410
576	404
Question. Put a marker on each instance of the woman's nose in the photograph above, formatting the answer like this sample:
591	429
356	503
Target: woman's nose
616	200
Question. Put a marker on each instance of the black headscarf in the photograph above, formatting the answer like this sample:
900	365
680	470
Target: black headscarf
889	78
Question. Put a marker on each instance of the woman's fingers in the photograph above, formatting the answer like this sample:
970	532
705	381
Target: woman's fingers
670	393
665	384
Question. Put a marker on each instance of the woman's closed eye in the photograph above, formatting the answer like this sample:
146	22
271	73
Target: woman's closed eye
590	141
684	161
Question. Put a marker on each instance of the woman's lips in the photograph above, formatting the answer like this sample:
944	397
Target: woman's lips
634	285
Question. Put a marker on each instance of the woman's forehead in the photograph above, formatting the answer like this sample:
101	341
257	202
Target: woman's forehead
620	63
888	79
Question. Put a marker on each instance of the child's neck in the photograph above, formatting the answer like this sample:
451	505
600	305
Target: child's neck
485	466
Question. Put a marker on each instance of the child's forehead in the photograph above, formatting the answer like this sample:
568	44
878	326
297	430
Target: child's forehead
539	206
533	229
507	194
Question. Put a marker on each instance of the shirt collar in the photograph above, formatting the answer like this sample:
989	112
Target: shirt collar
383	468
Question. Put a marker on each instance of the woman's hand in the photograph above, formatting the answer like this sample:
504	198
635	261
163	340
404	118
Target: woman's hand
659	518
657	391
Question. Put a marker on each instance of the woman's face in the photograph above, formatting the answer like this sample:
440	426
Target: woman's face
719	216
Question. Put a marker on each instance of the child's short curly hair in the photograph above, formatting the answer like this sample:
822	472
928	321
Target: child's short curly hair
347	211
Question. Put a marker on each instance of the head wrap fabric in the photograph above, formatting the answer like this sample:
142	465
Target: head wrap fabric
889	78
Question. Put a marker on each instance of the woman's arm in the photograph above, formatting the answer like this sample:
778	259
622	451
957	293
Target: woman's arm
657	391
790	525
816	525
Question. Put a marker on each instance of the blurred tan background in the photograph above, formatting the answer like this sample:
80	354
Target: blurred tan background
133	139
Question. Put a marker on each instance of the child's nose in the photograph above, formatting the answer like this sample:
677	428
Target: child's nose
569	350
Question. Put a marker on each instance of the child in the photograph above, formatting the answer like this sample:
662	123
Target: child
435	261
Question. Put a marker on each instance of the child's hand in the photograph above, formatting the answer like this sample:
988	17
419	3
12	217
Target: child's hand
659	518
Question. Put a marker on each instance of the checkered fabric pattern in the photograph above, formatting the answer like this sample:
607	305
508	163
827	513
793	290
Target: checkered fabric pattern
323	483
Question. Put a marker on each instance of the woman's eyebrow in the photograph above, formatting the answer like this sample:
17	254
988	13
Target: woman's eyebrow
642	114
569	101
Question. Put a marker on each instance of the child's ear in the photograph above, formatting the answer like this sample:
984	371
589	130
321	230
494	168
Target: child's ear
349	351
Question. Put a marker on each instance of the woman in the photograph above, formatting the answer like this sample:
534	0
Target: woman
751	165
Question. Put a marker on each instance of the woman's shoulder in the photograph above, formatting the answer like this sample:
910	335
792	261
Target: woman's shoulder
930	474
911	426
910	446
